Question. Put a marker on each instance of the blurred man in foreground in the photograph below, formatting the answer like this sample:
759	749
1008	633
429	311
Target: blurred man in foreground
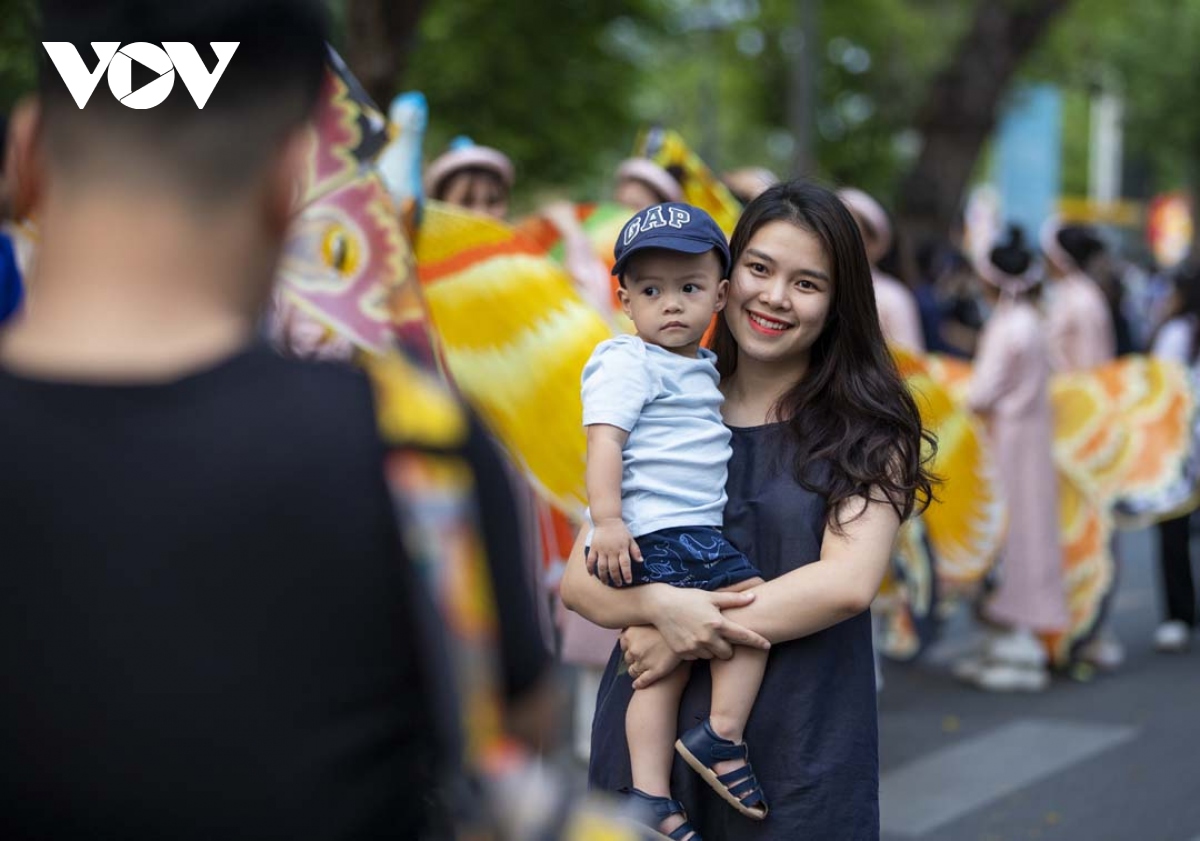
208	627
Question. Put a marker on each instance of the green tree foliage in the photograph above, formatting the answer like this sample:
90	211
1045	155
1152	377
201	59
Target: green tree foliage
18	62
873	60
563	85
539	79
1146	53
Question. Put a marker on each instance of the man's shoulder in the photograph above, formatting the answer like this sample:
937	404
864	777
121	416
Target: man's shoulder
313	387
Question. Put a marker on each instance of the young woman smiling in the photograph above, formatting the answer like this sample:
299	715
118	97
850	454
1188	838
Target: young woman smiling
827	462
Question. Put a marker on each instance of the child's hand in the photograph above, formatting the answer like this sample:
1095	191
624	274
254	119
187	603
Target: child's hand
612	552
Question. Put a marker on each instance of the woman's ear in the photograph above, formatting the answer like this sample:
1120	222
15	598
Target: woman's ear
24	159
722	295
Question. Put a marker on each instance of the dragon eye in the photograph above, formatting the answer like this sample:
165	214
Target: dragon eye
341	250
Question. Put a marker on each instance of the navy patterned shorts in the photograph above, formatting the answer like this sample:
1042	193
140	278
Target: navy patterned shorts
697	556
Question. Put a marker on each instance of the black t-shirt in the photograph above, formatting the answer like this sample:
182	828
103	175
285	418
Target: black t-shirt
207	624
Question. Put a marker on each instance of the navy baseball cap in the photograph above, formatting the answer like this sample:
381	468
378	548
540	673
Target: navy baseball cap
673	226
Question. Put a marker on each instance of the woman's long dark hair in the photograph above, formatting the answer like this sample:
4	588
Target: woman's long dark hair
850	410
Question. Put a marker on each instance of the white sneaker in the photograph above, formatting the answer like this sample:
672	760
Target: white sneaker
1006	677
1104	651
1018	648
1173	637
1014	661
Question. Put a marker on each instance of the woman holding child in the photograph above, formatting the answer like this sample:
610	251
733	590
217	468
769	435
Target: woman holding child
826	463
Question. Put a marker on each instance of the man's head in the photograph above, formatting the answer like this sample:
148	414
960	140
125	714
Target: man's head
673	263
207	156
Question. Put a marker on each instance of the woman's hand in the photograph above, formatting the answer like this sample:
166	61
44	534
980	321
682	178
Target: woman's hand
647	655
693	626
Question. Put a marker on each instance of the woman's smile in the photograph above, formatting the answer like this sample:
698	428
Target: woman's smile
766	325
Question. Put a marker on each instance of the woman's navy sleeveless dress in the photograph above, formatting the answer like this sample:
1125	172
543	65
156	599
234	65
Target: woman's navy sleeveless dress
813	733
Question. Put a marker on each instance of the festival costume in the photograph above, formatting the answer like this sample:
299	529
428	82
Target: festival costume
1010	385
348	262
701	187
1123	446
899	316
1079	324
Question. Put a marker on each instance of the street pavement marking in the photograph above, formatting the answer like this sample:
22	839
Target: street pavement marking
942	786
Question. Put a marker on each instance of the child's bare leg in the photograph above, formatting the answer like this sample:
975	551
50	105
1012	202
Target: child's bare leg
735	684
651	722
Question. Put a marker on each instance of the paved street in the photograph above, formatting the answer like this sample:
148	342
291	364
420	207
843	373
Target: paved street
1114	759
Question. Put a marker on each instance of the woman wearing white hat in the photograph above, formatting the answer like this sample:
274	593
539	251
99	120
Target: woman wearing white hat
476	177
899	315
641	183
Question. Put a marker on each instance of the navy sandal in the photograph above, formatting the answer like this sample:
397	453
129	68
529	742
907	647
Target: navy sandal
702	748
663	808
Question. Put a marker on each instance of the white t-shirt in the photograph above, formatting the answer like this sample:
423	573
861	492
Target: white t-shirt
677	455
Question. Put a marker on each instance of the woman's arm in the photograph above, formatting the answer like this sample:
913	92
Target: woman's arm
595	601
841	585
690	620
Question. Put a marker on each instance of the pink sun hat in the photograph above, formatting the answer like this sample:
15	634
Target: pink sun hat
872	214
652	175
465	154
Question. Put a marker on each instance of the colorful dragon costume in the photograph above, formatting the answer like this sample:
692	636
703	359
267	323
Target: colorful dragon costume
349	266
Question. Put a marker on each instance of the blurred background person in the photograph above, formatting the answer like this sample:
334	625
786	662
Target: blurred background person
1118	279
1178	340
641	183
1079	325
898	314
202	546
749	182
1010	389
1077	313
948	298
476	177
